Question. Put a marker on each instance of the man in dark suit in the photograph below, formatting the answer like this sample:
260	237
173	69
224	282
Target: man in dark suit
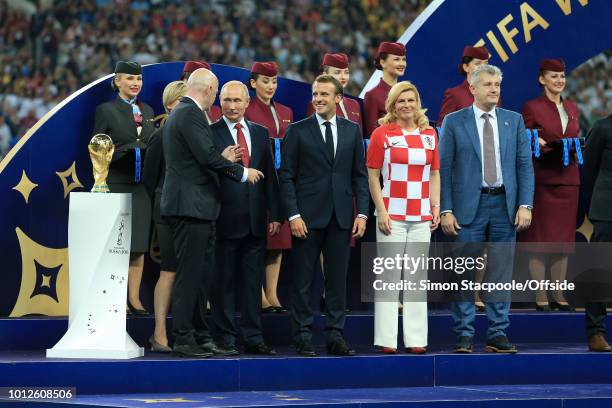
322	169
190	200
596	179
486	194
241	226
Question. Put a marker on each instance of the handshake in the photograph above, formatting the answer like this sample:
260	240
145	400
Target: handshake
233	153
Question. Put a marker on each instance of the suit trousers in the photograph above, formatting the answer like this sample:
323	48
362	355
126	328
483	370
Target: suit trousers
194	244
595	312
334	243
410	238
240	265
493	225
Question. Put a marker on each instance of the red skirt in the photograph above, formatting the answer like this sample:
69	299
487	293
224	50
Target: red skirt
282	240
555	209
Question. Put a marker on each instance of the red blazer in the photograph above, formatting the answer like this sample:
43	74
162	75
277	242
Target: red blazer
260	113
215	113
353	109
457	98
542	114
374	106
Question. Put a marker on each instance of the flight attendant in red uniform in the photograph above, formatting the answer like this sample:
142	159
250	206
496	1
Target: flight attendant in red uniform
212	114
391	59
276	117
556	186
337	65
460	97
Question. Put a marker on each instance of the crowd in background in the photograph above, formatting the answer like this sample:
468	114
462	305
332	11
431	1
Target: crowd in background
51	48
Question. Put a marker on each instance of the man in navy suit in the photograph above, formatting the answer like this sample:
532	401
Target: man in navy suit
242	224
322	170
486	195
190	201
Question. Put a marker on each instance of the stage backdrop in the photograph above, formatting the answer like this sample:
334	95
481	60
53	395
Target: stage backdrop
51	160
517	33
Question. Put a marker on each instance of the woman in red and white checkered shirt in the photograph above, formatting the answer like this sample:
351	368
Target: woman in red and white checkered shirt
404	150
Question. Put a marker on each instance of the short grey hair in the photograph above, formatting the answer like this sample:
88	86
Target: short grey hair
489	69
235	83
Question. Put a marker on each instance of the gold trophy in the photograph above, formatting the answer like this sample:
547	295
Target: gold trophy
101	150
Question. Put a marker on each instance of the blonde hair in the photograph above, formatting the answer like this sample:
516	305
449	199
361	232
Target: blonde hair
172	92
394	94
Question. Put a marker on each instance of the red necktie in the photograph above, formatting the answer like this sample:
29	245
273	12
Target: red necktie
246	158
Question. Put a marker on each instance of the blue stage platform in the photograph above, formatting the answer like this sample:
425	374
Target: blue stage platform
552	369
526	396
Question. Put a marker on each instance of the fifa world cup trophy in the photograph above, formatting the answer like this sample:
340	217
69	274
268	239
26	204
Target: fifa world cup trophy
101	150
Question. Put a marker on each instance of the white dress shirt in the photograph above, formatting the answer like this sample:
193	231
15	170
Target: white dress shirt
334	129
245	131
480	122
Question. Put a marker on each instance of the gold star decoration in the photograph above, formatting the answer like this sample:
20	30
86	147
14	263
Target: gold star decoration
162	400
41	294
69	179
586	229
25	186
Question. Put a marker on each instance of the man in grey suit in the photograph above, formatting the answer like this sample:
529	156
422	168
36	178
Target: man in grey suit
487	186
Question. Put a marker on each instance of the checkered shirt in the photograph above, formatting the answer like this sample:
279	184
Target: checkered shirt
405	160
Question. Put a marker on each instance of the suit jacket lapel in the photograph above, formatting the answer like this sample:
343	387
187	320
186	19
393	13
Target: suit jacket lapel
226	135
318	138
341	138
127	114
502	129
254	153
472	131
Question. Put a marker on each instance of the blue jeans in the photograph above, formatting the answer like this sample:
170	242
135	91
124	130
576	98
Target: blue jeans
491	224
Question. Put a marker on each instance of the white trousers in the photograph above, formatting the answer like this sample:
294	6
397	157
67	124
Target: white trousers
414	312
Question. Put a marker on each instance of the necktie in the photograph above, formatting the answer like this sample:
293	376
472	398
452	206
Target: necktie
329	140
246	158
488	148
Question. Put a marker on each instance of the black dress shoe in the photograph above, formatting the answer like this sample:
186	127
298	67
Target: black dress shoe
500	344
137	312
191	350
280	309
222	350
340	348
306	349
562	307
463	345
269	309
261	350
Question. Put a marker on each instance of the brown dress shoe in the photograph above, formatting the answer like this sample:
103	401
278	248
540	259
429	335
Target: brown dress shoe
598	343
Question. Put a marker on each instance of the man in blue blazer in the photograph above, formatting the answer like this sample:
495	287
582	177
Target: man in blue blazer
486	195
243	224
322	170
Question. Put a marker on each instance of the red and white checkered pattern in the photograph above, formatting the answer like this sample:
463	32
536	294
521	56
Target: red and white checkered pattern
405	160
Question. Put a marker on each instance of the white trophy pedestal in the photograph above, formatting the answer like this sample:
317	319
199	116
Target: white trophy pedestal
99	234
